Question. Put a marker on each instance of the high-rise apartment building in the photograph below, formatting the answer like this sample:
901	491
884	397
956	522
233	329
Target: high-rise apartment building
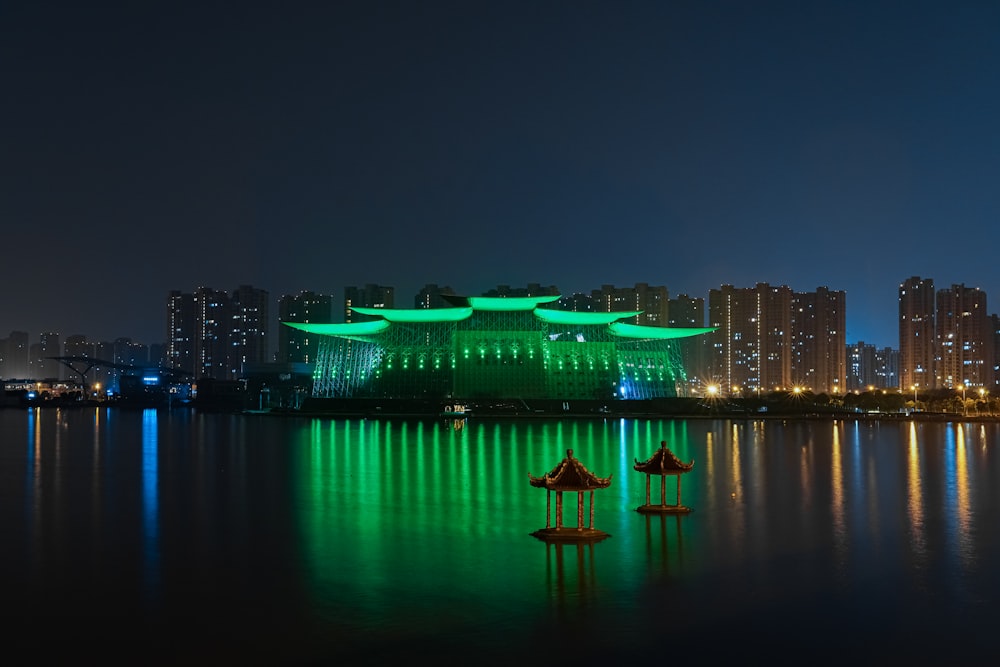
750	350
687	311
248	335
770	338
296	346
369	296
995	329
869	367
819	340
211	339
78	346
15	356
964	338
214	334
531	289
887	368
860	366
577	302
430	296
653	301
916	333
181	319
44	367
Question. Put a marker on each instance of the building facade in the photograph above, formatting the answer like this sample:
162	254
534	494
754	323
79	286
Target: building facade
770	338
15	356
687	311
44	367
369	296
295	345
916	334
497	348
651	302
432	296
964	338
214	333
870	368
819	340
750	348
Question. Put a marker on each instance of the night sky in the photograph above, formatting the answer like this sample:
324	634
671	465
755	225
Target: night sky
150	146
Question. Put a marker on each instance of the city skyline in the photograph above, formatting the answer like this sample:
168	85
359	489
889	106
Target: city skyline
407	301
838	145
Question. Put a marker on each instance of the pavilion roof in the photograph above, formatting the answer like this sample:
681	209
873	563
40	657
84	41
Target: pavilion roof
570	475
462	308
663	462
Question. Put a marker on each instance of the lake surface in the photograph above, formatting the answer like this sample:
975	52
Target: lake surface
176	537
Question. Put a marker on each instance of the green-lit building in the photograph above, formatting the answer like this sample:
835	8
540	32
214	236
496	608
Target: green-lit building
497	348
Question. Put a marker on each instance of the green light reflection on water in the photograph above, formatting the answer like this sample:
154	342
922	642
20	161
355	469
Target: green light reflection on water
425	526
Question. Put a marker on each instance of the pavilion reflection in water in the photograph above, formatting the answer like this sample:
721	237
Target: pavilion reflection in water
569	475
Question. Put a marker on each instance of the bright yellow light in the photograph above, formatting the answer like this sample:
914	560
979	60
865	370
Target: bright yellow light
712	389
797	390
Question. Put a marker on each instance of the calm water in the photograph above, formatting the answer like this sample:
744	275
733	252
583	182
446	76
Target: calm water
177	537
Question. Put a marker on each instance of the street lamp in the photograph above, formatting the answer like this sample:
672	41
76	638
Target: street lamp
965	408
914	388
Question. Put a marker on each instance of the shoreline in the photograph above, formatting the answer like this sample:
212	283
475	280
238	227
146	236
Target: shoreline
384	410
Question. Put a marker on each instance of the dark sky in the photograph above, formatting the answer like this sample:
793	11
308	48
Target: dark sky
150	146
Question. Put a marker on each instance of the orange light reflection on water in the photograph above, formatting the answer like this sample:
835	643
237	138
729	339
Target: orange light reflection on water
915	505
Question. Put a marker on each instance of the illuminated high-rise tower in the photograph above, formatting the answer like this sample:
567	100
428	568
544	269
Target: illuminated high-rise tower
964	338
369	296
295	345
248	333
214	333
750	349
916	333
652	300
180	331
819	340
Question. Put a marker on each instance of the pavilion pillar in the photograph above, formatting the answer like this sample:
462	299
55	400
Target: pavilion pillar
548	509
663	489
558	509
579	509
648	477
590	524
678	489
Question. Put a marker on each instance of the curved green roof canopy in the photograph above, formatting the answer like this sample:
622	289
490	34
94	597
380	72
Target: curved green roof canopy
417	314
569	317
509	303
349	329
660	333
